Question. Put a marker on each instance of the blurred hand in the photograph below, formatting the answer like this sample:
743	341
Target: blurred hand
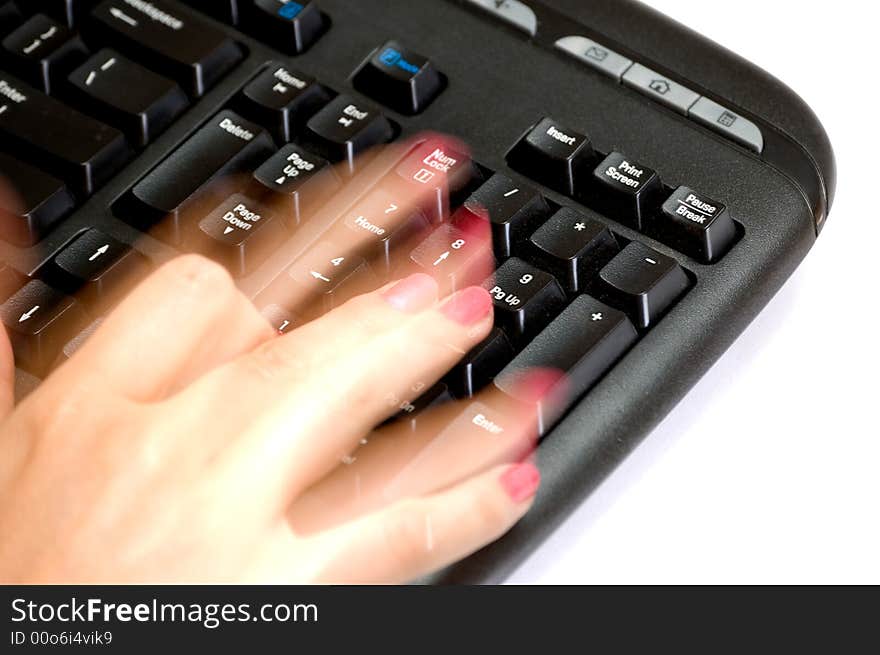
211	449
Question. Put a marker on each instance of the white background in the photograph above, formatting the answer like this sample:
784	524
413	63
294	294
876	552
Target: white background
769	471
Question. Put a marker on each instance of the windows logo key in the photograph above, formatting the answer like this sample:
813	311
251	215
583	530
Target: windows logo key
290	10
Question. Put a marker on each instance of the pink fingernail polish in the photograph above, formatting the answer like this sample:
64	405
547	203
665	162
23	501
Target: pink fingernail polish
469	306
521	481
412	294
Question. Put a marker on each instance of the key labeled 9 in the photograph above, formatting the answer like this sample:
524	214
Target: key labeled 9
501	295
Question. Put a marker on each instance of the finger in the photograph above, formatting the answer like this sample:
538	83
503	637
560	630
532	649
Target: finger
339	376
417	536
450	444
182	321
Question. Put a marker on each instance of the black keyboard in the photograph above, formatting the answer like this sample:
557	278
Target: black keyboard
646	191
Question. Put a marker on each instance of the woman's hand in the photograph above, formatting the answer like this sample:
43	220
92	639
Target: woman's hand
186	442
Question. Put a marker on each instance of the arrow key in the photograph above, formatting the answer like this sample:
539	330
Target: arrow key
456	256
96	266
40	320
323	278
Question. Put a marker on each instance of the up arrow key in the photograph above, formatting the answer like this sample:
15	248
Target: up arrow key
28	314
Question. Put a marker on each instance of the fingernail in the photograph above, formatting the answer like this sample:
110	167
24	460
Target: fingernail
468	306
537	383
521	481
412	294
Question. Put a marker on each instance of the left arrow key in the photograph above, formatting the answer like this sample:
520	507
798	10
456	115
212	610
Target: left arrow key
40	320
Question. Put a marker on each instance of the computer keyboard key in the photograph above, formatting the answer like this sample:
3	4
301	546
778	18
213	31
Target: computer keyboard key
379	227
513	12
582	343
76	343
282	100
225	146
399	78
42	51
292	27
227	11
66	143
456	258
643	283
514	211
526	299
481	364
127	95
554	155
573	247
39	321
96	267
40	201
696	225
281	320
627	189
239	233
297	181
410	410
66	11
178	42
344	129
327	276
658	87
437	173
